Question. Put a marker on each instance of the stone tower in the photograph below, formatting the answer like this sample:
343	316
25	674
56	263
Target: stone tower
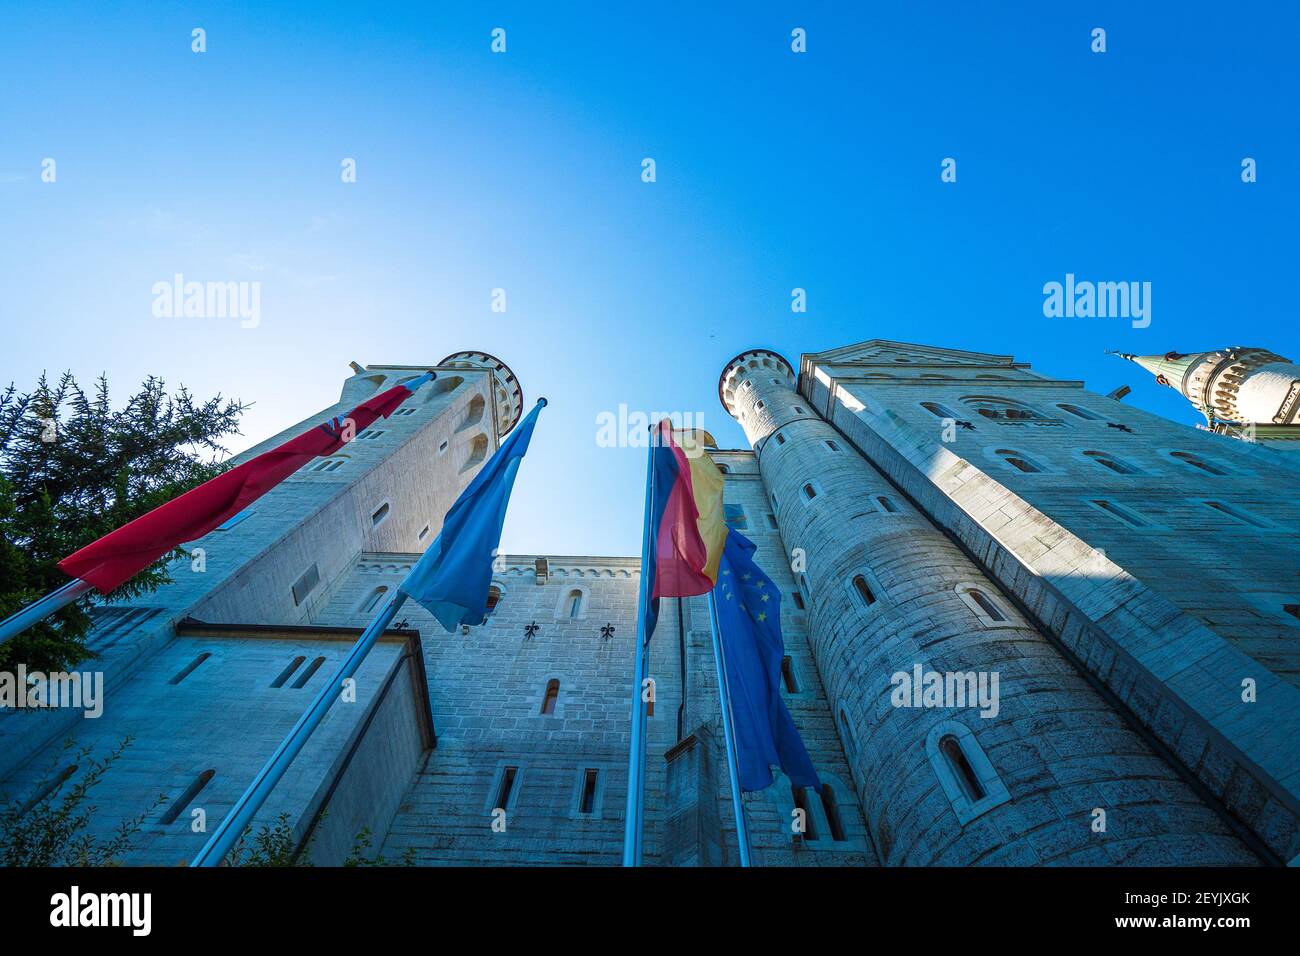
1248	393
894	591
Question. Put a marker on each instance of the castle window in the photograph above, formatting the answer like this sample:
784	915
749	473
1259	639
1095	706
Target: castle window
810	490
798	410
378	515
771	522
1004	410
724	469
424	532
1195	461
939	411
304	585
403	412
886	504
477	451
587	802
370	434
863	590
551	696
329	464
967	777
780	439
798	600
308	673
442	447
831	445
288	671
185	799
235	519
985	608
1107	460
474	411
748	385
1233	511
493	598
573	605
505	788
800	797
1079	412
372	600
1018	460
833	822
962	770
787	676
759	406
1121	513
846	733
190	668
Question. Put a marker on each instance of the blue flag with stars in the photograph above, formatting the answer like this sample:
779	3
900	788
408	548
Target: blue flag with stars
749	626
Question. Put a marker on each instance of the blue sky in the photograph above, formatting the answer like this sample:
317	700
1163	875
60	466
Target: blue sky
522	171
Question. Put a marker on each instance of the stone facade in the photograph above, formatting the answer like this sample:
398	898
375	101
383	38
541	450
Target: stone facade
979	536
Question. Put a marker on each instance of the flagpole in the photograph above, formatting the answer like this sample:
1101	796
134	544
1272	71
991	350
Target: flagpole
633	816
229	831
728	733
42	608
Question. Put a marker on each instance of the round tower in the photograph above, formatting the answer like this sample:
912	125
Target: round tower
1241	385
1008	759
509	396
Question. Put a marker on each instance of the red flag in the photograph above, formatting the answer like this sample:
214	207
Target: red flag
121	554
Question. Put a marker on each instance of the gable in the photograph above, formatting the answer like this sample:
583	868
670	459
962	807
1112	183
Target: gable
885	352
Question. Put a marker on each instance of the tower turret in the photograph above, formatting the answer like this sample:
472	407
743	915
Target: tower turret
509	396
1234	388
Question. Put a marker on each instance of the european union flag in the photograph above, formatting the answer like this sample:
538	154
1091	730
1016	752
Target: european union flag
749	626
452	578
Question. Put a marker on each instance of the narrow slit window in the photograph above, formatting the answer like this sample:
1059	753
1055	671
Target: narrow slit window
308	673
831	445
938	410
235	519
1233	511
759	406
780	439
798	410
887	504
832	809
551	696
424	532
378	515
372	599
787	676
771	522
798	599
864	590
186	798
303	586
288	672
573	603
190	668
809	491
950	747
846	733
800	796
493	598
1018	460
1079	412
506	787
1107	460
1120	513
589	780
1195	461
986	604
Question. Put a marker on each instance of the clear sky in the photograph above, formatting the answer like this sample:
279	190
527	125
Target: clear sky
522	171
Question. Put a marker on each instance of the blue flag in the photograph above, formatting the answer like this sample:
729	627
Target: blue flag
749	626
452	578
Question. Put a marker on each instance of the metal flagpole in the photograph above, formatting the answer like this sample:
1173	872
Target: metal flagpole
729	735
229	831
42	608
632	823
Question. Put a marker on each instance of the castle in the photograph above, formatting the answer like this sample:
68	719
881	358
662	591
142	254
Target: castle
1132	585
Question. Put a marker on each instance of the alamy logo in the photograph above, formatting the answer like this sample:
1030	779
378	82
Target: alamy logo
37	690
179	299
631	429
103	909
1102	300
949	689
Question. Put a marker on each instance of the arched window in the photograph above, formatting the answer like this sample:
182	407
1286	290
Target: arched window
330	464
1018	460
185	799
477	451
442	386
810	491
939	411
1004	410
1199	463
724	469
1107	460
372	599
474	411
950	747
886	504
1078	411
573	604
985	607
863	589
308	673
551	696
1232	511
288	671
1121	513
968	779
493	598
